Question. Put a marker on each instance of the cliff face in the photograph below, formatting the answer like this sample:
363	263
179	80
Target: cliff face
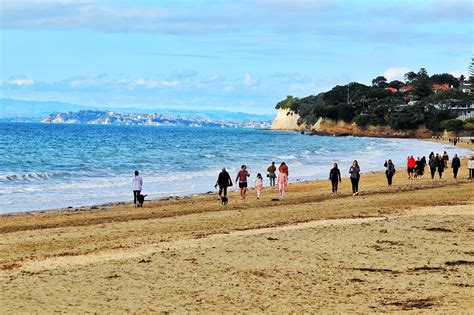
341	128
326	126
286	120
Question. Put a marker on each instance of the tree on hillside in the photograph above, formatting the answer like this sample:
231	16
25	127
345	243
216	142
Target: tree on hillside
422	84
396	84
445	78
471	77
286	103
380	82
410	77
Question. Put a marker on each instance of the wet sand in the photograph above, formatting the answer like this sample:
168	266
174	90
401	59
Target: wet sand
405	247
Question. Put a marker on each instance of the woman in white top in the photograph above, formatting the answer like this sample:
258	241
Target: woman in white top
137	187
470	166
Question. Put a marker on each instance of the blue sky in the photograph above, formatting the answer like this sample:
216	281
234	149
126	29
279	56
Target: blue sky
235	55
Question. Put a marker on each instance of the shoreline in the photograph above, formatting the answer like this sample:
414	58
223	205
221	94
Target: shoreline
390	249
108	205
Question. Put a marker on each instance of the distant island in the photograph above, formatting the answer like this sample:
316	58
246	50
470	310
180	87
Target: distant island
13	110
421	106
97	117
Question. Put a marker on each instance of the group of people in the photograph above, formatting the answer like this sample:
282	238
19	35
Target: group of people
279	176
335	177
224	180
436	162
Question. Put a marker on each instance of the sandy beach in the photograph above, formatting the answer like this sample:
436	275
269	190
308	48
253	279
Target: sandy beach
408	247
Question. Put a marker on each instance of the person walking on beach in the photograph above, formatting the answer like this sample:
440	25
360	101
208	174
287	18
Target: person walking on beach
411	163
432	164
223	181
284	168
420	168
431	155
272	174
440	163
423	161
389	171
137	183
470	167
354	170
282	179
455	165
445	159
259	185
335	178
242	180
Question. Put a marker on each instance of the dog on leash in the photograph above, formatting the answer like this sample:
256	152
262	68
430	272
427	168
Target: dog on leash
140	200
224	200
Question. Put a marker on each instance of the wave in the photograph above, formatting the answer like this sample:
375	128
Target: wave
286	157
35	176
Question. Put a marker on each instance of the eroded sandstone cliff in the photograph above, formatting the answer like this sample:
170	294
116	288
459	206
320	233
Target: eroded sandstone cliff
287	120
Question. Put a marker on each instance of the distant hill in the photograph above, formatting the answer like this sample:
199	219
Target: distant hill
37	110
95	117
18	108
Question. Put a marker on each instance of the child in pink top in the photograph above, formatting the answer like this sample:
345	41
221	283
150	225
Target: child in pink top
259	184
282	183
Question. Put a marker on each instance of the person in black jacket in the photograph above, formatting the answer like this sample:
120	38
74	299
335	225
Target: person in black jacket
390	171
223	181
420	167
335	177
455	165
440	163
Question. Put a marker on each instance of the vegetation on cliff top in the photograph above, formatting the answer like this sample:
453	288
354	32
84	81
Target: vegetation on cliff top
420	100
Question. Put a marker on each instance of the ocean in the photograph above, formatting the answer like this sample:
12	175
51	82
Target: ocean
52	166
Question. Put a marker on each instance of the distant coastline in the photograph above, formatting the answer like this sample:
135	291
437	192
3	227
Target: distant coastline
95	117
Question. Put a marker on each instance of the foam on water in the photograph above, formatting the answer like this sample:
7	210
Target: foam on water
56	166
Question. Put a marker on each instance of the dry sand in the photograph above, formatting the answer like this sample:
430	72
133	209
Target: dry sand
408	247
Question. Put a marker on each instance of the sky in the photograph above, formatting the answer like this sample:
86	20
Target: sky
241	55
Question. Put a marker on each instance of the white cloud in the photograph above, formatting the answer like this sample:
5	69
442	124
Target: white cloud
214	78
395	73
21	82
169	83
249	80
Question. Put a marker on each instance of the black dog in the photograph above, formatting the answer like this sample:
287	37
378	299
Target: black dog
224	200
140	200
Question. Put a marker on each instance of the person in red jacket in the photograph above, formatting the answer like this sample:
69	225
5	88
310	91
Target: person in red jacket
411	163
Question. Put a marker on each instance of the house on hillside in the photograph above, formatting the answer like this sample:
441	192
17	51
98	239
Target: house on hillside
464	87
464	112
391	89
440	87
435	87
406	88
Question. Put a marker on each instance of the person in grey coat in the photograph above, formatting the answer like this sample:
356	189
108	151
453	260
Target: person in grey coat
355	176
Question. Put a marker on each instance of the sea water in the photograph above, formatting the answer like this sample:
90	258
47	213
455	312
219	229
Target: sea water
51	166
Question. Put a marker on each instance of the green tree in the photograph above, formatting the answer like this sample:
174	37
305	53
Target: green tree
471	77
422	84
286	103
380	82
445	78
396	84
452	125
410	77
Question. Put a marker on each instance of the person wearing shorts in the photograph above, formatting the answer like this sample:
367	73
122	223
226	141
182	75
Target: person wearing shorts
242	180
